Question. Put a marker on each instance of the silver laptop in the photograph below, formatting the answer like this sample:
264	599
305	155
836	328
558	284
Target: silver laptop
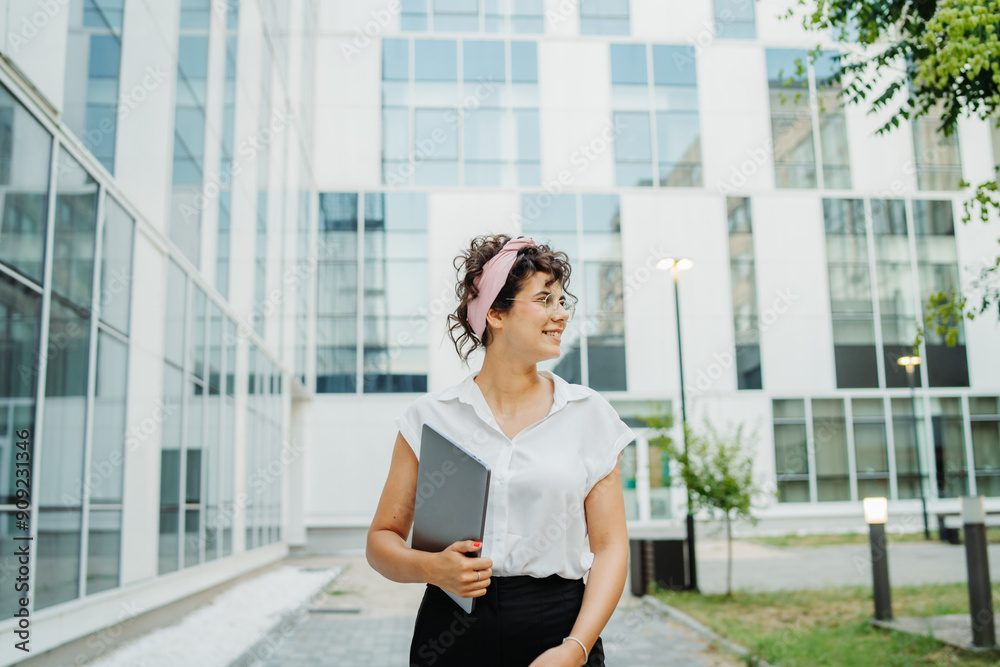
452	493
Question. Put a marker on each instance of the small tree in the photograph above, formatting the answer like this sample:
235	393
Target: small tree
718	472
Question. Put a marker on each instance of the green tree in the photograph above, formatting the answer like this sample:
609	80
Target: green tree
717	469
914	58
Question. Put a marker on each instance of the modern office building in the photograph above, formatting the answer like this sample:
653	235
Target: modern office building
226	252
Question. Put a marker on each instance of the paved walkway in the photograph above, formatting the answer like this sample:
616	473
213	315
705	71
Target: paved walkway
362	619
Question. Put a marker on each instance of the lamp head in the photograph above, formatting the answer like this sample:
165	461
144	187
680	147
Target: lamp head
668	263
876	510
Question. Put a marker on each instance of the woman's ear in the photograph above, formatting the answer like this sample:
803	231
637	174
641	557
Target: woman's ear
493	319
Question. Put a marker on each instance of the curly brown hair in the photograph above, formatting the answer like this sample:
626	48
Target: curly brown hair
469	265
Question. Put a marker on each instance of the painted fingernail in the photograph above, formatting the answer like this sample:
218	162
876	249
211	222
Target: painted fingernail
476	544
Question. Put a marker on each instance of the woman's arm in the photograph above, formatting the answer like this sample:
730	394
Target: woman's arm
386	548
605	511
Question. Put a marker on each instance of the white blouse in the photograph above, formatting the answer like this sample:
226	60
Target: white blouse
535	520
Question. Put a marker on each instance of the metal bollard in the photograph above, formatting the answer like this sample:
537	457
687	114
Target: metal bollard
980	595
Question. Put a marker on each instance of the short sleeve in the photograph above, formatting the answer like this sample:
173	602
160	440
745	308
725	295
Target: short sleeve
616	436
410	425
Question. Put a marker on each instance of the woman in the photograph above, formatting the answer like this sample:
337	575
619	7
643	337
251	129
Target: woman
553	450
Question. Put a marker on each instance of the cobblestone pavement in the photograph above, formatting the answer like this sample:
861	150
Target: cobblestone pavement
364	620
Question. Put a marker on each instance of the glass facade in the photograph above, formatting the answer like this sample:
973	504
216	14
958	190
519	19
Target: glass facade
734	19
808	126
465	113
881	264
490	16
851	306
654	90
604	17
587	227
75	439
937	271
190	127
93	63
372	331
938	158
746	322
845	449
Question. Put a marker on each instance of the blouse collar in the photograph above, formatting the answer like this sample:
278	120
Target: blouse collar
469	393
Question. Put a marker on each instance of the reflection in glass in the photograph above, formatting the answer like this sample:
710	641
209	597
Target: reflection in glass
791	456
938	159
851	305
57	577
985	411
604	17
103	550
107	458
396	343
949	447
116	265
791	119
909	437
937	271
744	293
734	19
870	448
25	149
75	232
64	411
337	294
830	450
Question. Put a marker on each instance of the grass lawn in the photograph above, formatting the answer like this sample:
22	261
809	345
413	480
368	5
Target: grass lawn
831	626
826	540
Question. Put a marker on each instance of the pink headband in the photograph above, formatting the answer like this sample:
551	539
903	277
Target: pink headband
491	281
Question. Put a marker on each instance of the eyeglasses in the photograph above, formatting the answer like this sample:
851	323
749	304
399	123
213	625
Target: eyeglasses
552	302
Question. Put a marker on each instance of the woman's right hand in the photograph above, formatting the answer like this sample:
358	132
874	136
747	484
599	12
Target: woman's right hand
453	571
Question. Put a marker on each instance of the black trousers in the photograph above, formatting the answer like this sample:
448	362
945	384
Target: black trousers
517	620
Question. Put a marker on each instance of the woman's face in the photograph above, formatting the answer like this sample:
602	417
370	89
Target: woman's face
527	328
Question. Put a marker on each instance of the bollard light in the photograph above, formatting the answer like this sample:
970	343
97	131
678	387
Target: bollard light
978	565
876	510
876	514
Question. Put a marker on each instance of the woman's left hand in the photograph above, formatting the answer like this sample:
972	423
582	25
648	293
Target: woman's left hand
567	654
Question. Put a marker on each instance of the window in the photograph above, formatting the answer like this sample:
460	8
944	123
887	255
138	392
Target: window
937	269
744	289
226	165
467	116
871	453
189	127
734	19
897	303
198	438
93	57
949	447
791	451
938	159
491	16
388	331
396	343
655	102
588	229
25	158
909	436
267	108
850	293
604	17
985	417
794	83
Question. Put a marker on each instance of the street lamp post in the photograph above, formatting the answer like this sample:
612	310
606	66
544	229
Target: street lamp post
675	266
911	363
